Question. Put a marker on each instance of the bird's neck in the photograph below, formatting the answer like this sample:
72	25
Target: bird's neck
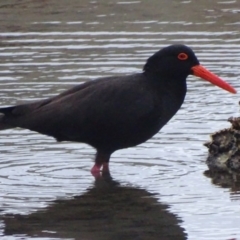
171	86
170	92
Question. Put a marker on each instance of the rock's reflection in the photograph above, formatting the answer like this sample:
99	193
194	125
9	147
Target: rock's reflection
225	180
106	211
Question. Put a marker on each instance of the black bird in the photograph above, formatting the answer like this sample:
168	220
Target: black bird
113	113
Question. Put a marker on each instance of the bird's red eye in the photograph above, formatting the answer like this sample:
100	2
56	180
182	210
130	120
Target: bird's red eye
182	56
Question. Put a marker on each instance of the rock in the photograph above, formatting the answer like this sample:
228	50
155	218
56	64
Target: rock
224	149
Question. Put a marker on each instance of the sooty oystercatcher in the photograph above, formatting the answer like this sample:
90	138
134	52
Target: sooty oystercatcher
117	112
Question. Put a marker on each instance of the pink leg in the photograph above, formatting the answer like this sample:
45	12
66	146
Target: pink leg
105	167
95	171
100	161
96	168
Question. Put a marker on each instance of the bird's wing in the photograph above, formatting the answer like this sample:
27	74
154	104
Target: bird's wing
105	105
23	109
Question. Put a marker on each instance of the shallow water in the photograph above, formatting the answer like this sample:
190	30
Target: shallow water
49	46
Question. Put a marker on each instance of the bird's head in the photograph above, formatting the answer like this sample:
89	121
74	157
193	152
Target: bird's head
177	62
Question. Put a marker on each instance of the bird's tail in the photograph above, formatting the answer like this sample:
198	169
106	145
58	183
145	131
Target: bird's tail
3	123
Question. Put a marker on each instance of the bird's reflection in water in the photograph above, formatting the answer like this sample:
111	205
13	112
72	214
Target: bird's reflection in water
106	211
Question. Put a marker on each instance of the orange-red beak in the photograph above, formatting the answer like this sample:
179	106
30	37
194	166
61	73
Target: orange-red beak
202	72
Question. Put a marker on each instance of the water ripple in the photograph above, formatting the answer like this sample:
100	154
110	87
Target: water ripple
36	170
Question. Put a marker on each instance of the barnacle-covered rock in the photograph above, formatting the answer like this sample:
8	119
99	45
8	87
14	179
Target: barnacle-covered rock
233	163
218	162
222	141
235	121
224	149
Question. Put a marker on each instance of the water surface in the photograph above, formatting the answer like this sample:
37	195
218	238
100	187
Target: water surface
49	46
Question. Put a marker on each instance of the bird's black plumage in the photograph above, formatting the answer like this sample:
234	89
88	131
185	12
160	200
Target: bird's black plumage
111	113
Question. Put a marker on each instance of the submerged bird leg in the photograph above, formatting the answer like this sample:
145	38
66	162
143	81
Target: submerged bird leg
101	160
105	167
